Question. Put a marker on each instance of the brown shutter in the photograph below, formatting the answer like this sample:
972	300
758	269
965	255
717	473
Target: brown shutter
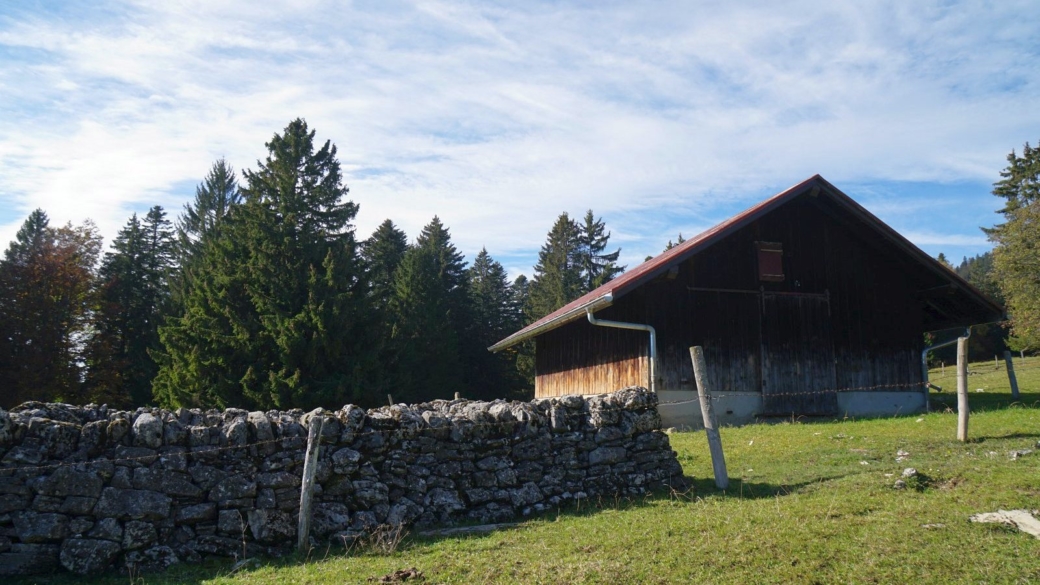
770	261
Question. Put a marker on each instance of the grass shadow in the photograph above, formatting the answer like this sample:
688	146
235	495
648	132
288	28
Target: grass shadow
983	401
749	490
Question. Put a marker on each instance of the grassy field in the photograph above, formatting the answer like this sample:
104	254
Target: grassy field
809	502
988	384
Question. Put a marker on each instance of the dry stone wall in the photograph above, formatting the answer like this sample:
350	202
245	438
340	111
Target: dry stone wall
87	488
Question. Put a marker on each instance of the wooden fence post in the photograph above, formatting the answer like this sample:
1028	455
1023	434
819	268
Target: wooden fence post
310	466
1011	374
962	388
718	459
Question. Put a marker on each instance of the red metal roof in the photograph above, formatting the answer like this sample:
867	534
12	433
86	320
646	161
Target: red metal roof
605	295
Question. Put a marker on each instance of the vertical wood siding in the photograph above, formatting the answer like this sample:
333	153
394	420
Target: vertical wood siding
868	335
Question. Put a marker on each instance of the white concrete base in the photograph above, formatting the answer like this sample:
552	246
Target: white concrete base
880	403
733	409
681	409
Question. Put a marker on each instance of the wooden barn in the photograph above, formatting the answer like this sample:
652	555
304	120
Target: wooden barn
805	304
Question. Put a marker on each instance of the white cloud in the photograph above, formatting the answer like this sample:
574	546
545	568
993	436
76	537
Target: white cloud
497	117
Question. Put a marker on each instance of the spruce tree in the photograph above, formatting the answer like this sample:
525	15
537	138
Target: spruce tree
451	265
383	253
425	338
596	267
519	293
978	270
494	375
557	276
214	198
678	241
432	324
46	290
520	298
277	315
133	292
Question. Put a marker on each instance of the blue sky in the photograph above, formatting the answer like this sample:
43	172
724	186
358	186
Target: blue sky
662	117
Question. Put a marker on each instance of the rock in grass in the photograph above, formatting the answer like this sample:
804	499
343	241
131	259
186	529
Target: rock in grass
86	555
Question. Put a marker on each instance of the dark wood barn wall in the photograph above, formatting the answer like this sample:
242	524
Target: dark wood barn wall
854	300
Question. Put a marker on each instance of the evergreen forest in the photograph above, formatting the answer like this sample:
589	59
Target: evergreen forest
259	294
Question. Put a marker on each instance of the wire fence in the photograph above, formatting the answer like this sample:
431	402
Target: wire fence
977	368
404	432
411	430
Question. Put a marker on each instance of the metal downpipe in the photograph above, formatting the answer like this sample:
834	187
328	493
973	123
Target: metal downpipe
636	327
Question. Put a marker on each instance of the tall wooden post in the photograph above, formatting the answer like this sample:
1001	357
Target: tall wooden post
718	459
962	388
1011	374
310	466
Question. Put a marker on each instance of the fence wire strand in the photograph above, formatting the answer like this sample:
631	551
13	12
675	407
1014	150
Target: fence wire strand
411	432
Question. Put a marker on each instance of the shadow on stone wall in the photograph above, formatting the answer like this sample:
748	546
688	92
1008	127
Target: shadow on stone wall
86	488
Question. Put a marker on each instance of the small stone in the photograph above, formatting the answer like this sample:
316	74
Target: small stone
233	488
230	522
237	433
148	431
33	527
157	558
261	426
6	428
132	504
607	455
107	529
197	513
77	505
138	534
330	517
67	482
29	559
900	484
272	526
909	472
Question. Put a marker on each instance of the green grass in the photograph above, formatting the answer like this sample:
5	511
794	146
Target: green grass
992	379
808	502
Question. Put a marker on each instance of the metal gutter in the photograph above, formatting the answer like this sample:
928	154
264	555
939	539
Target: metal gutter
636	327
601	302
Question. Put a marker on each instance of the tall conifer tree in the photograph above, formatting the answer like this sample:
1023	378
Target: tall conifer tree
133	293
557	276
278	316
383	253
596	267
520	297
494	375
431	317
214	198
425	338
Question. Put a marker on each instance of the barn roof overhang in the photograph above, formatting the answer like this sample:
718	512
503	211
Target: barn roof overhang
952	301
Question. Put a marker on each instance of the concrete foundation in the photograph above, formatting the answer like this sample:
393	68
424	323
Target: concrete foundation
681	409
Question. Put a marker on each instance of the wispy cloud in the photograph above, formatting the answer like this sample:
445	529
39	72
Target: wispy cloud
662	117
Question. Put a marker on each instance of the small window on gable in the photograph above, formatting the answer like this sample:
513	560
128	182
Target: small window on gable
770	261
